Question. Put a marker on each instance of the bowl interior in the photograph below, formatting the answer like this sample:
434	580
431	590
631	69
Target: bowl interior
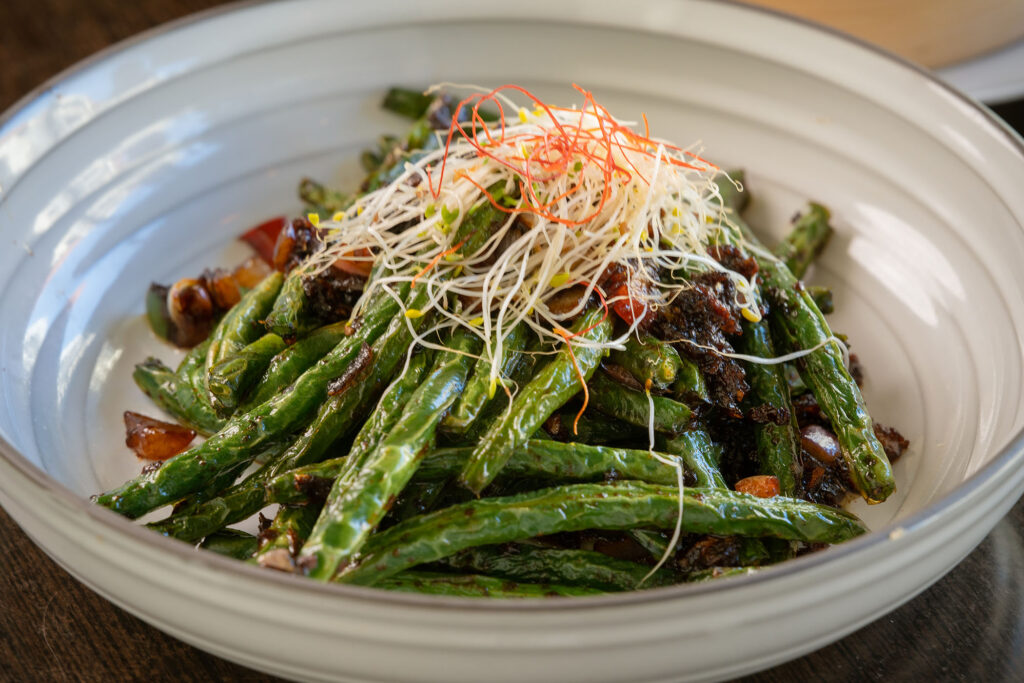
924	265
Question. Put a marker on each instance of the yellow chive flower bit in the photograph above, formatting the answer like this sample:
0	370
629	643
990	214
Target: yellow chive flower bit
559	279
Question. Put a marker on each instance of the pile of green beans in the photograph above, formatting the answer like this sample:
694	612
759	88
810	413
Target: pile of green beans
415	475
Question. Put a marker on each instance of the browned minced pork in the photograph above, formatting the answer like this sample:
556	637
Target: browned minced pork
892	441
333	293
711	551
734	259
705	314
297	241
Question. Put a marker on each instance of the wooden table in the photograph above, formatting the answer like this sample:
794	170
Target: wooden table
968	626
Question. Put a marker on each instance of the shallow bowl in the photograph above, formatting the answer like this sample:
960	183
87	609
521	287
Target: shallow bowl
144	164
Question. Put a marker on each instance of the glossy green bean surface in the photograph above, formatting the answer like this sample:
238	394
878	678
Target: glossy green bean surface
245	436
569	567
354	508
636	408
551	387
620	505
802	326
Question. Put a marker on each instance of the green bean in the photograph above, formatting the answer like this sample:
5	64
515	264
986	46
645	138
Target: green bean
752	551
322	199
592	428
292	315
793	381
293	485
283	539
372	159
537	460
333	416
496	407
649	359
391	406
230	379
779	549
700	456
822	298
620	505
555	384
194	360
654	542
809	236
246	435
221	483
478	389
339	414
632	406
802	326
157	315
475	230
355	507
336	415
231	543
290	363
690	386
175	396
542	435
192	371
778	437
420	140
417	498
406	102
394	165
534	564
778	443
237	503
475	586
557	461
242	324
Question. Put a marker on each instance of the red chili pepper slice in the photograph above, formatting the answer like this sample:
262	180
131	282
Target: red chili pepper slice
263	237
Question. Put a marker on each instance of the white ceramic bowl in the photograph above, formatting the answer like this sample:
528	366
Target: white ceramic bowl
145	162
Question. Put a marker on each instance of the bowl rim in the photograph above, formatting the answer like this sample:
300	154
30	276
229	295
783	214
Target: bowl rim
1010	457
